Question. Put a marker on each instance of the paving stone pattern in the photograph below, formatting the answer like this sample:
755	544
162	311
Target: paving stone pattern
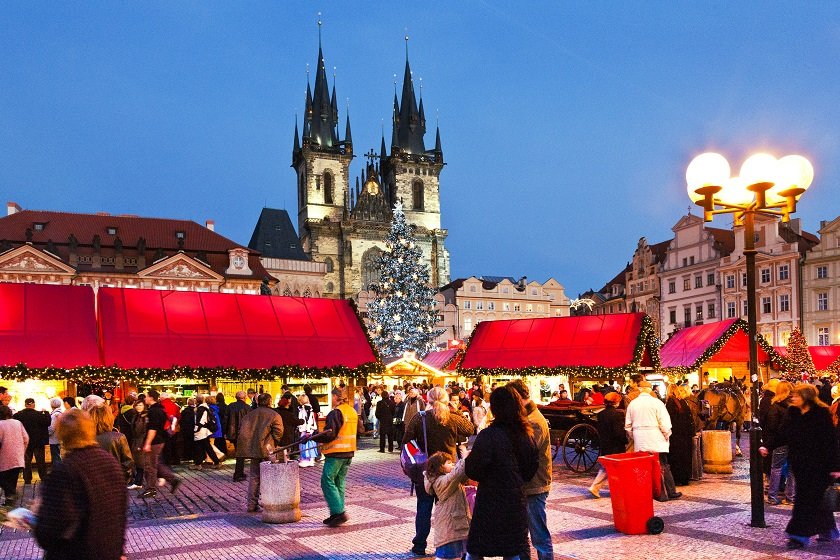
207	519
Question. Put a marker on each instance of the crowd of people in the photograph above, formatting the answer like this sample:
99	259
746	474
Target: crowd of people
491	437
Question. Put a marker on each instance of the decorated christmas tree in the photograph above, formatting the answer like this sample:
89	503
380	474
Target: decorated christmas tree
798	357
402	316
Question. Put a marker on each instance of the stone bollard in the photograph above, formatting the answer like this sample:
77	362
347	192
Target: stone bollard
280	492
717	452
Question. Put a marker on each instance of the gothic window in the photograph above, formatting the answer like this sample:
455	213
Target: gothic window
329	263
370	267
328	187
297	293
417	195
301	189
307	292
330	287
287	292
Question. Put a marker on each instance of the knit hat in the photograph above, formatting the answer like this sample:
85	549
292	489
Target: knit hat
612	398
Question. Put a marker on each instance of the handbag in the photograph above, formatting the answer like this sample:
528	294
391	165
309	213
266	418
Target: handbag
831	498
413	458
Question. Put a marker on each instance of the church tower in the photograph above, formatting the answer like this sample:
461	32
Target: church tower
320	158
345	227
411	173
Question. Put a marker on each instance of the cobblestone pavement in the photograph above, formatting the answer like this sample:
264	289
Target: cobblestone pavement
208	520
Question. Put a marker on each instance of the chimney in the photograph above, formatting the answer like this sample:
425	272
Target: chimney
12	208
210	224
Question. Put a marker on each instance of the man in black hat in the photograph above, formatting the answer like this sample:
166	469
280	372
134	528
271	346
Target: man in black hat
36	423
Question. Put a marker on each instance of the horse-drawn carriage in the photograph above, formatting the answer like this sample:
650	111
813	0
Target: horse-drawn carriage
574	432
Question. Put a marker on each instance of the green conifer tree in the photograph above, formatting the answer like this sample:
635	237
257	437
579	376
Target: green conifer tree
402	316
798	357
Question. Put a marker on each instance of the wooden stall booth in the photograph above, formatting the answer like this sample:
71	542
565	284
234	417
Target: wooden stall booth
713	353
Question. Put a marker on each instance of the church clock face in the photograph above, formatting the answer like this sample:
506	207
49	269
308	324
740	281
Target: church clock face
372	188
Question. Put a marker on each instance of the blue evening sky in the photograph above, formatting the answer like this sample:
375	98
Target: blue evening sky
566	126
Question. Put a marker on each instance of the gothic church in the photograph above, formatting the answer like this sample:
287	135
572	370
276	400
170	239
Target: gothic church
345	226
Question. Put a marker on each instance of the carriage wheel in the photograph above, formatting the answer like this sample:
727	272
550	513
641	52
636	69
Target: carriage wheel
580	448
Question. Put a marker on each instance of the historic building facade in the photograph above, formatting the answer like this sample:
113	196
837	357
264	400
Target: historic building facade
821	288
781	247
344	227
488	298
690	282
125	252
642	280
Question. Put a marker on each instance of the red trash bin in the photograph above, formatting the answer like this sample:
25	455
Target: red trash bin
631	482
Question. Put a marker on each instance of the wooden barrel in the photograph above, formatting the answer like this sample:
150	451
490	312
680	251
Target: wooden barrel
280	492
717	452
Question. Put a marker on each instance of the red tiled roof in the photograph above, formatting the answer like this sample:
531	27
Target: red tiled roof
725	238
158	233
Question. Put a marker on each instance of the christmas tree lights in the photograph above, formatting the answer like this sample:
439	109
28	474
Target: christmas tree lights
402	316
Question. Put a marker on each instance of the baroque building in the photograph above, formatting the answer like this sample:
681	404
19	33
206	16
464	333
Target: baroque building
642	279
821	288
344	226
489	298
690	283
125	251
781	248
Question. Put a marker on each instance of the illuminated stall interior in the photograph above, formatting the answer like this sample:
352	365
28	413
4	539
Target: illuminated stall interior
712	353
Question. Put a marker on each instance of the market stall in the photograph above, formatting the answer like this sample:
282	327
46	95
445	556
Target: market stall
573	350
714	352
46	328
826	358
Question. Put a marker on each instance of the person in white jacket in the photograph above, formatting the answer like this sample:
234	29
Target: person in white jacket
648	424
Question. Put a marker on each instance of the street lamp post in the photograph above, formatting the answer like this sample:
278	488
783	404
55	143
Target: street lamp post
765	186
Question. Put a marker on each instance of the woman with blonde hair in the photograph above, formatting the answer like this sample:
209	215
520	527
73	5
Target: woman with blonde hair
815	461
83	501
774	434
443	431
112	441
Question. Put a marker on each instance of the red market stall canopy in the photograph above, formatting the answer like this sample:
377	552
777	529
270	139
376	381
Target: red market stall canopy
824	357
46	326
166	329
723	341
443	360
591	345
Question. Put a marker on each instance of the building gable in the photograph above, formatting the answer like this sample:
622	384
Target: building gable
27	258
180	266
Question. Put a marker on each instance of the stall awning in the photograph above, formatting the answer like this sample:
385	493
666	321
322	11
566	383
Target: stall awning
45	325
443	360
822	356
594	345
723	341
162	329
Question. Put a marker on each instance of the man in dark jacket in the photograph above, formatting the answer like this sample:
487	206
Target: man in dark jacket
313	400
611	435
763	409
153	467
260	429
236	412
385	414
36	423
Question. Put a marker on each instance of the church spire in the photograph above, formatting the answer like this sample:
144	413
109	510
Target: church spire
296	147
410	127
438	149
324	114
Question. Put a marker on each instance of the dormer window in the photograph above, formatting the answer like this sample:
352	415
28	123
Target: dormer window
111	230
39	226
180	235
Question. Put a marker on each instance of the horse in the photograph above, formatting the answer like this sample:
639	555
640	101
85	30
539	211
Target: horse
727	404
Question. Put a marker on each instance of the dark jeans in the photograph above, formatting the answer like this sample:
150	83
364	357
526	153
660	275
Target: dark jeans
154	468
423	519
221	444
202	449
8	481
383	434
239	468
40	459
55	453
170	450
